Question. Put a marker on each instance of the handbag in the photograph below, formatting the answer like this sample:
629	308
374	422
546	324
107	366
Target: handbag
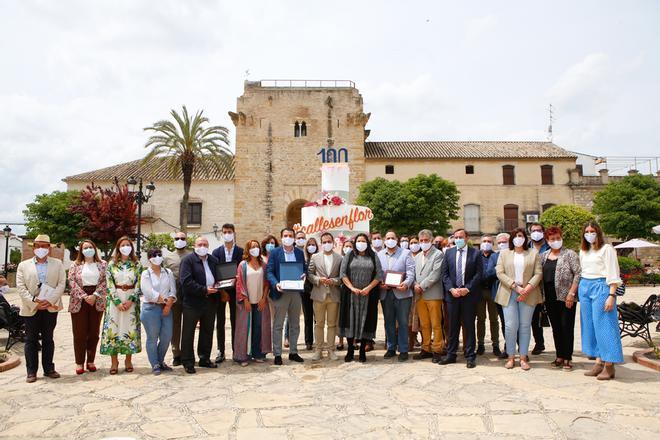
543	318
621	290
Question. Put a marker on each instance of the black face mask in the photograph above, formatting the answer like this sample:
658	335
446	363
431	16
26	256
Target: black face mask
438	246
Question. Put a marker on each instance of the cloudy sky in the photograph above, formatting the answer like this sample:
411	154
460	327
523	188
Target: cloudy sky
80	79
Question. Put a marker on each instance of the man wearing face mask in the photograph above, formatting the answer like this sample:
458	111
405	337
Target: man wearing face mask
40	283
437	242
502	242
376	241
537	236
486	303
461	275
404	242
200	303
172	261
229	252
285	302
308	248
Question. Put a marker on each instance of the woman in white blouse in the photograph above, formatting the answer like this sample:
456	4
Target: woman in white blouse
159	293
597	292
86	304
519	271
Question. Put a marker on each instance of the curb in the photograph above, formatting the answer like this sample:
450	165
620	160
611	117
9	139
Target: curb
10	363
640	358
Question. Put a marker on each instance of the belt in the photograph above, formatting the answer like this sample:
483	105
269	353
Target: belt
125	286
156	304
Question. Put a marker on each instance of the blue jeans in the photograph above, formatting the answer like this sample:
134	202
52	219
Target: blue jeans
396	311
517	325
255	334
600	329
159	332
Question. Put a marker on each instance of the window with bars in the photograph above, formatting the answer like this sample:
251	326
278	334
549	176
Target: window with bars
510	217
194	213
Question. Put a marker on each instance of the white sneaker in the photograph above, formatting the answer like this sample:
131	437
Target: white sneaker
333	356
316	356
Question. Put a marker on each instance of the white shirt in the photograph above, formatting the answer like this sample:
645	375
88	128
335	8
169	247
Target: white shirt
327	259
463	262
90	274
519	267
602	263
228	253
255	284
154	287
210	279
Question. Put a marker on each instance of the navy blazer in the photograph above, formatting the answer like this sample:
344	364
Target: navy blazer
273	268
490	273
193	279
236	255
473	273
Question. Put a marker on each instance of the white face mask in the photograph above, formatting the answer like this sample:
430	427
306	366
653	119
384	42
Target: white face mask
590	237
518	241
228	237
156	261
404	245
503	246
180	243
378	243
486	247
361	246
311	249
255	251
300	242
41	252
425	246
556	244
537	235
327	247
390	243
415	247
347	250
89	252
288	241
126	250
201	251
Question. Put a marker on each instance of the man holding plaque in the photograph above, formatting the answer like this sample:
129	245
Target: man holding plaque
286	274
396	294
461	277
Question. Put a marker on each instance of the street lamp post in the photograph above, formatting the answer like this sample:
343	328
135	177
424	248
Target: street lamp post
135	187
7	232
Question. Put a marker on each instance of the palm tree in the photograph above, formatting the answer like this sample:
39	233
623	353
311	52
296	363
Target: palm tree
188	144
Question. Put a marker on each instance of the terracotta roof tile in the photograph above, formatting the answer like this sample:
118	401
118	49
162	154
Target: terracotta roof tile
464	150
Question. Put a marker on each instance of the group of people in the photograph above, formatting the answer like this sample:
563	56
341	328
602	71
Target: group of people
424	283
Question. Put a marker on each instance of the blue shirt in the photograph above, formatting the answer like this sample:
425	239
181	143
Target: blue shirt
42	271
289	256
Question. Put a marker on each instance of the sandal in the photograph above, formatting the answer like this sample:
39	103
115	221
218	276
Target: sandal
568	365
128	368
114	370
558	362
524	364
510	363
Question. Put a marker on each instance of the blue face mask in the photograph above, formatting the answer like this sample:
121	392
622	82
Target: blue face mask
460	243
270	247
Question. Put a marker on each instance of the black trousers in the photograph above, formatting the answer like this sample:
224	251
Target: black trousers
42	324
461	312
537	329
562	320
308	314
206	317
221	319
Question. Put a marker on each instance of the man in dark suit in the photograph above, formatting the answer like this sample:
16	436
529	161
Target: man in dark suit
285	302
461	276
227	253
197	276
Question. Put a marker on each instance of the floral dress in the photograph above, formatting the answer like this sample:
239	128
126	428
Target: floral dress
121	330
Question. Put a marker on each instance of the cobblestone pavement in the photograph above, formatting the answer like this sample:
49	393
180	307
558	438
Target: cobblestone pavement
379	399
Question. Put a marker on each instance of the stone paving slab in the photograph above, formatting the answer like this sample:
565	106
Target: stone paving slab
333	400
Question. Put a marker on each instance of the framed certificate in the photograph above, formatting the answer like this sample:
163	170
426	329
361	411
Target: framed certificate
393	279
291	276
225	274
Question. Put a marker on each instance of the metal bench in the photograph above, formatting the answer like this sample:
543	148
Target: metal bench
634	320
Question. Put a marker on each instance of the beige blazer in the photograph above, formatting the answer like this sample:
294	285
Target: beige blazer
27	284
317	270
531	275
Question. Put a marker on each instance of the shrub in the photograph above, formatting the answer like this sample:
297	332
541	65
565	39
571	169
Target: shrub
628	265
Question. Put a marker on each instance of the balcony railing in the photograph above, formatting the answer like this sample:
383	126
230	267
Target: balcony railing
308	83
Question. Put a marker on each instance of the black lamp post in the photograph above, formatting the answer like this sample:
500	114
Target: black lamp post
135	187
7	232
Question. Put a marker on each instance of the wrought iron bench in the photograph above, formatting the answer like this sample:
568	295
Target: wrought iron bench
634	320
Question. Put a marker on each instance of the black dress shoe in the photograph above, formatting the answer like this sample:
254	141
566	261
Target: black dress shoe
481	349
496	351
190	369
436	358
207	364
309	347
447	360
176	361
295	357
538	349
220	358
278	360
52	374
349	357
471	363
389	354
403	357
422	355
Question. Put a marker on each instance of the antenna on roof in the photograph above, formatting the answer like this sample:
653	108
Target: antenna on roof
550	121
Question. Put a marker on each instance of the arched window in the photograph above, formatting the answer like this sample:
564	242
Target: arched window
303	129
547	206
510	217
296	129
472	218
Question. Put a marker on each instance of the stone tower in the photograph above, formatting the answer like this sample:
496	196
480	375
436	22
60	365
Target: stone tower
280	128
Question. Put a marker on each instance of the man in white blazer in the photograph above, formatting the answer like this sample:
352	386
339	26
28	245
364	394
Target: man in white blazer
323	273
40	283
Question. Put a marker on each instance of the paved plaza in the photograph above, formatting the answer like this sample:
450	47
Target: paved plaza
376	400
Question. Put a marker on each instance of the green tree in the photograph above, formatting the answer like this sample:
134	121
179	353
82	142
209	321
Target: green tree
571	219
630	207
188	143
50	214
425	201
165	240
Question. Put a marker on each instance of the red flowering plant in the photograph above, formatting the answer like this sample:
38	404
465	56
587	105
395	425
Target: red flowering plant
327	199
